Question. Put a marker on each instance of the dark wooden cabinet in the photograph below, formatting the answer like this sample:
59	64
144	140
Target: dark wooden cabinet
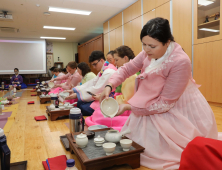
84	50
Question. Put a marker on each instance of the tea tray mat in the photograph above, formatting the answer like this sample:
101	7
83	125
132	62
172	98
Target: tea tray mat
18	94
92	151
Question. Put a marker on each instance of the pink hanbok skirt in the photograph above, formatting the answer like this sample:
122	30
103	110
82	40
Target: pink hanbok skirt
97	118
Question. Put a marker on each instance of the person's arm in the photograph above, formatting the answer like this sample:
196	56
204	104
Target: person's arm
127	70
95	86
20	79
174	87
12	80
63	77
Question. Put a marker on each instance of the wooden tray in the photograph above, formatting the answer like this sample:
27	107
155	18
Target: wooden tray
56	113
131	158
18	165
44	100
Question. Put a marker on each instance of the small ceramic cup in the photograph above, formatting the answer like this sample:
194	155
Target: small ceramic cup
126	144
109	148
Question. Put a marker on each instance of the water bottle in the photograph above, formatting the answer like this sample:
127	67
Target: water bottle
4	152
76	120
3	86
14	89
70	164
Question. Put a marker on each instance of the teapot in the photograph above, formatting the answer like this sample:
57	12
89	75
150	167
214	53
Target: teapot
52	106
115	135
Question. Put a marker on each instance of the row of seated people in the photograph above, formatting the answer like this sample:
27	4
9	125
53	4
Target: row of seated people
81	80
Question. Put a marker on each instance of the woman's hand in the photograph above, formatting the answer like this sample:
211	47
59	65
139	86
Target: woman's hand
96	97
57	85
68	91
123	108
52	80
72	96
105	93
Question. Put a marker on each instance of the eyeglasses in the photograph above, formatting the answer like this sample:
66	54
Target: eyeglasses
94	64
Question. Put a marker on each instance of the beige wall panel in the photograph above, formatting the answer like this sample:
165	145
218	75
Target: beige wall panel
112	38
132	12
105	27
182	24
207	39
148	16
163	11
160	2
128	38
115	22
136	30
208	71
119	38
106	43
148	5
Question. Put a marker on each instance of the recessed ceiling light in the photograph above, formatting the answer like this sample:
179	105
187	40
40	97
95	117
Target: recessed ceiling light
204	2
207	29
71	11
59	28
37	5
46	13
59	38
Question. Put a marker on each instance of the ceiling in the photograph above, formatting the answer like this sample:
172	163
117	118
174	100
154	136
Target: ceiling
29	18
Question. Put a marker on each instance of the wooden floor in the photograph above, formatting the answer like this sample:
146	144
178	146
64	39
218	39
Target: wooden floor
36	141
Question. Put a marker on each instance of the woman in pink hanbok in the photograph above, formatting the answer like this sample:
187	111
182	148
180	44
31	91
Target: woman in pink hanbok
123	93
168	110
72	79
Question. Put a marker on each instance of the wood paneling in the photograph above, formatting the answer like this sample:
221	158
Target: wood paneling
136	28
106	44
105	27
132	31
160	2
163	11
207	39
128	34
119	38
115	22
132	12
87	48
208	71
112	38
148	5
182	24
148	16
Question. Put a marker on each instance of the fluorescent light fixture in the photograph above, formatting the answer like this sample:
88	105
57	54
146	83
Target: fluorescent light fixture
204	2
207	29
153	9
59	28
70	11
58	38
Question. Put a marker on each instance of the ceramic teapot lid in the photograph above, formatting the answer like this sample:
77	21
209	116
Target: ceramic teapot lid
98	139
75	111
81	136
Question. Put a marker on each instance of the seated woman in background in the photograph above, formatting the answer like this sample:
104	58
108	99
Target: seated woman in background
85	71
57	73
123	93
17	79
64	71
73	78
110	58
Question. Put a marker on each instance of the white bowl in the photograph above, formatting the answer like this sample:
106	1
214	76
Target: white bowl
51	84
109	148
69	107
61	107
126	144
109	107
